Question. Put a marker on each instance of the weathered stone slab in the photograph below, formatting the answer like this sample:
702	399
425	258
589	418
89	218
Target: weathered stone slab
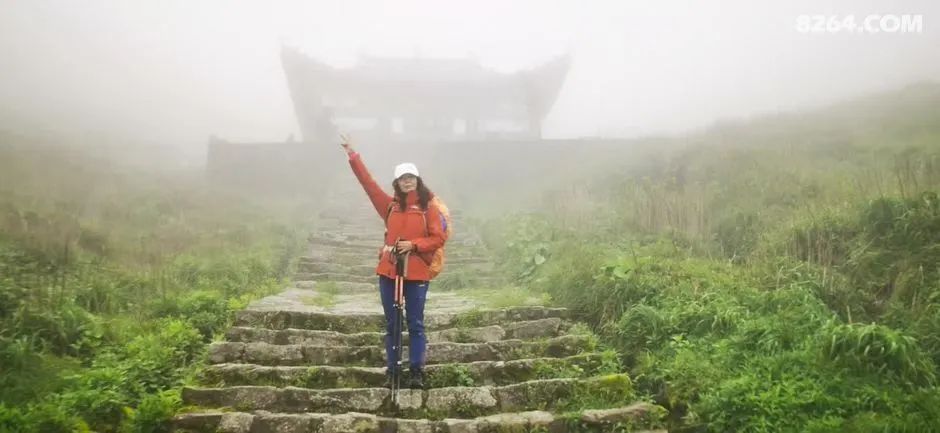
450	401
531	329
337	277
267	422
327	266
373	356
315	337
348	323
438	375
631	414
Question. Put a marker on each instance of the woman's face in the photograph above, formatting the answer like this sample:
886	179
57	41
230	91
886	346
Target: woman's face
407	182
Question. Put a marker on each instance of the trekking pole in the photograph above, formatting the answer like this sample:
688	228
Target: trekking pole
399	319
401	266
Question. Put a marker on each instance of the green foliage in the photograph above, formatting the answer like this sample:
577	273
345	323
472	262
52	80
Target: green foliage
148	364
12	419
504	297
606	391
879	350
529	245
779	274
458	278
111	282
737	234
772	343
45	417
153	414
450	375
207	311
325	296
551	370
795	393
899	249
470	319
822	239
156	360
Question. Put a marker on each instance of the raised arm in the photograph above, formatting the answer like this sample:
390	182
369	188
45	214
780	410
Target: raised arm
379	198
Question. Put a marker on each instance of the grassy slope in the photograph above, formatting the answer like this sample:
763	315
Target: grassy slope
775	274
112	279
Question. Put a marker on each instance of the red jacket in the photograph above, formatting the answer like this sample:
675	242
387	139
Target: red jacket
409	225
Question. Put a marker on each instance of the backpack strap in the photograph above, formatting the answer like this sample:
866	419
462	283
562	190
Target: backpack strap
424	216
388	213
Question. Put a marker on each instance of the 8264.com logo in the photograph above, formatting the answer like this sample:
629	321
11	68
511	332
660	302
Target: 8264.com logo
869	24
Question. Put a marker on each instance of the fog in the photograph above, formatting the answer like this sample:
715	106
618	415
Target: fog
174	72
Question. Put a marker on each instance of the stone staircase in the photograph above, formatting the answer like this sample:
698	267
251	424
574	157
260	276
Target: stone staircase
311	359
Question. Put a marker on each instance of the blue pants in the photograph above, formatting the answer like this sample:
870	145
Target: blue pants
415	294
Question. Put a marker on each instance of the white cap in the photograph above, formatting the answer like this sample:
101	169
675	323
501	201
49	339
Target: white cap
404	168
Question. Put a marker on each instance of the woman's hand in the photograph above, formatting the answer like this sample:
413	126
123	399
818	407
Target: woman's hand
405	246
345	143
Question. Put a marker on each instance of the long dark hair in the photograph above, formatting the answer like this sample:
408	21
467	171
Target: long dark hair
424	195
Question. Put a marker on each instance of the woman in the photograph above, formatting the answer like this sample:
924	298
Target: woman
411	226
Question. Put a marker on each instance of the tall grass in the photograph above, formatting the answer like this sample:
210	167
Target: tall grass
776	275
112	281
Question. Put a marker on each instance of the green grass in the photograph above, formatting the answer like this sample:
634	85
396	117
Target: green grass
510	296
325	297
112	281
773	275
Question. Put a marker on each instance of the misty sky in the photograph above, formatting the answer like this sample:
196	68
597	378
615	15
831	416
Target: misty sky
176	71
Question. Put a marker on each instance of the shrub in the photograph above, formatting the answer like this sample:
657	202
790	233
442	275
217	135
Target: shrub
153	414
207	311
877	349
154	362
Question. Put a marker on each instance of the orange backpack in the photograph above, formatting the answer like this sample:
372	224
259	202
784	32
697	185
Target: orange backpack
436	264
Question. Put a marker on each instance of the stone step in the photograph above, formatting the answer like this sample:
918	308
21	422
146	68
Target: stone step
374	356
321	242
350	212
351	323
363	256
464	250
477	373
326	266
324	298
357	232
338	277
340	286
456	255
526	330
361	234
337	212
348	249
485	268
436	403
464	256
315	253
341	257
461	280
638	415
467	260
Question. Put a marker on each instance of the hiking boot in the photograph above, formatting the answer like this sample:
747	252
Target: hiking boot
417	379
